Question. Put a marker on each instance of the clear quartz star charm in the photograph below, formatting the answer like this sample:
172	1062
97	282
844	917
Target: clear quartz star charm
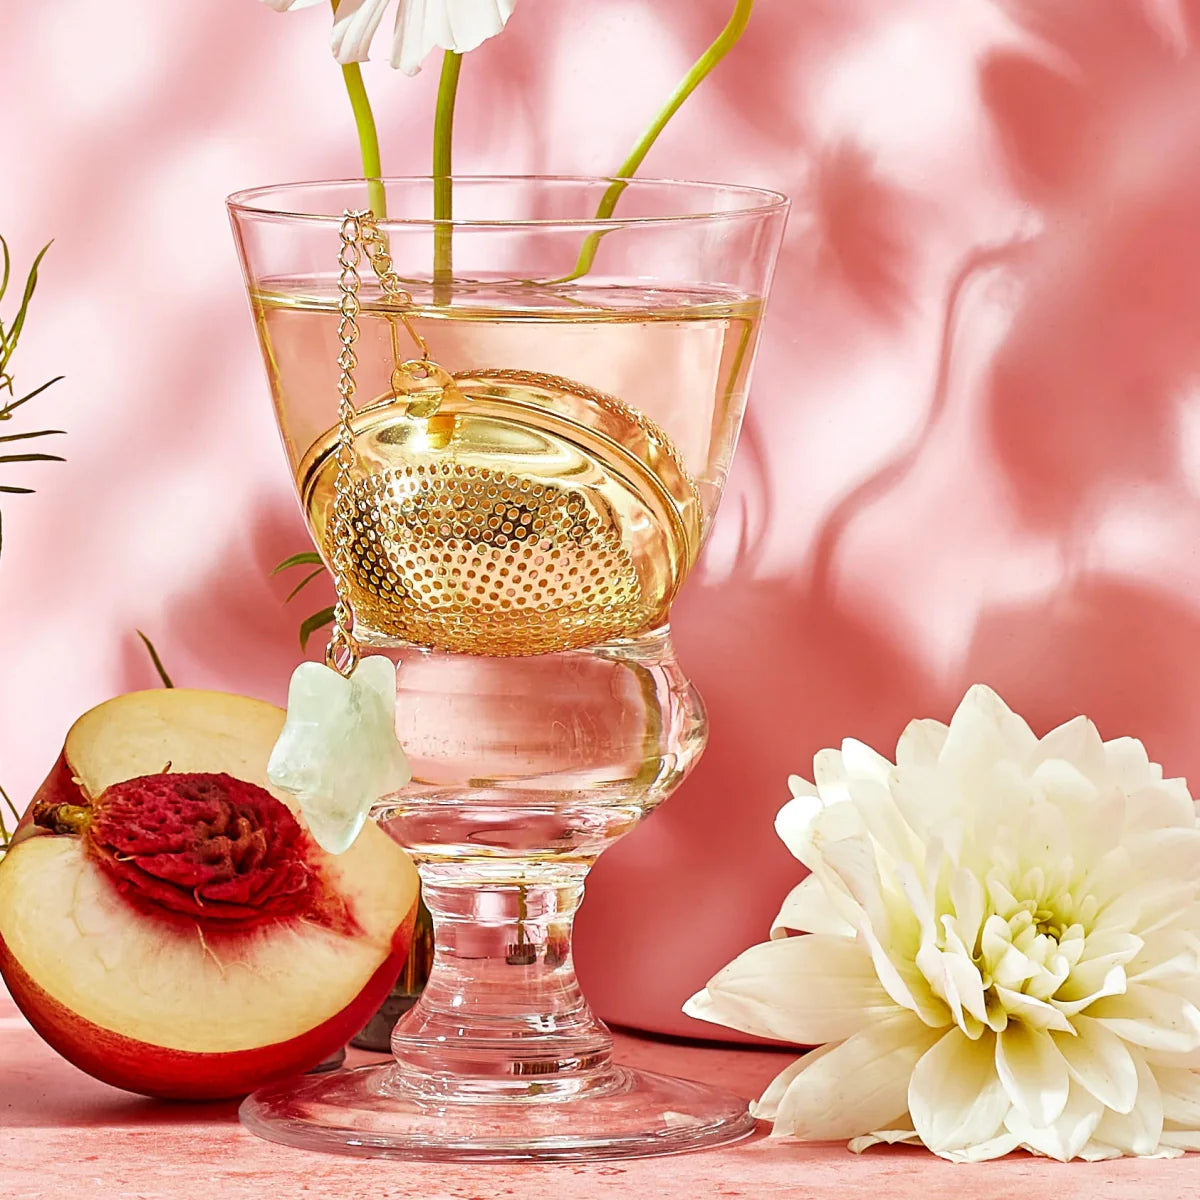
338	752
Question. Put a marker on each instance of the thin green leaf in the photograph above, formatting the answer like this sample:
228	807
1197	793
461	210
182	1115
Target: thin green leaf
20	437
9	409
6	834
15	491
306	558
12	458
6	268
304	583
317	621
158	666
19	321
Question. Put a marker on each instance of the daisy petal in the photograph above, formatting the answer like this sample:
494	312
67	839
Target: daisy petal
458	25
354	26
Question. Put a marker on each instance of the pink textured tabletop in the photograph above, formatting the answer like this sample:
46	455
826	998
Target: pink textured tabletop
63	1135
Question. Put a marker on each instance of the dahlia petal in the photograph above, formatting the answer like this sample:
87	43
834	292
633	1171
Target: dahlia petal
984	731
1096	1151
1033	1072
1100	1062
903	981
954	1097
1077	743
860	1085
1037	1014
1139	1130
885	1137
921	743
766	1108
891	934
1127	764
1113	983
794	820
1063	782
861	762
1169	956
970	901
1179	1140
808	909
997	1147
886	824
807	990
354	26
1173	853
1150	1016
1180	1091
1007	964
1166	803
830	776
1067	1136
285	5
955	978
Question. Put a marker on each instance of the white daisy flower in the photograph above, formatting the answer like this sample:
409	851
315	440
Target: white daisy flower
420	26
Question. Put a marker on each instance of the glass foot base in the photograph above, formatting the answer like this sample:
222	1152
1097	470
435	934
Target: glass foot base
368	1112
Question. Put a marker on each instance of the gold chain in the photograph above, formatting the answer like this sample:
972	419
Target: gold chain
359	235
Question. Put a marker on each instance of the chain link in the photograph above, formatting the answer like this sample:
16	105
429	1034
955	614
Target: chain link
359	236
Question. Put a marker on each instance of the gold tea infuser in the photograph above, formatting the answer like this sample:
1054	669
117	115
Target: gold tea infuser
494	511
489	511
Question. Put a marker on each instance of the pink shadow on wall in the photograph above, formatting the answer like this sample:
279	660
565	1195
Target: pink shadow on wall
1078	414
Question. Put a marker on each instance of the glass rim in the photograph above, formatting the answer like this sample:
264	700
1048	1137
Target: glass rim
757	202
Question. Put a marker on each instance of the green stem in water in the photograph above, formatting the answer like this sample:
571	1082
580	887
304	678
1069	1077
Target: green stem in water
725	41
443	169
368	136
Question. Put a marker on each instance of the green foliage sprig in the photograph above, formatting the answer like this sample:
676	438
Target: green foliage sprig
10	334
318	620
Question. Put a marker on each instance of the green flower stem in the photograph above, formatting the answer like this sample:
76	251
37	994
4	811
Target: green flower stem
368	138
725	41
443	168
368	135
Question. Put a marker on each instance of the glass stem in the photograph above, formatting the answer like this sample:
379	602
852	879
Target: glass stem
443	168
502	1014
724	42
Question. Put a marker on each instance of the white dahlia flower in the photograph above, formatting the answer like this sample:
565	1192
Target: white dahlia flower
421	26
998	946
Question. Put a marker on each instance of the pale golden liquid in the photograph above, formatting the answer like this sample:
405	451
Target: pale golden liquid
562	499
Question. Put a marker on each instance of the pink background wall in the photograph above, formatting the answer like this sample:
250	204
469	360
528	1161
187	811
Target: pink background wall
974	452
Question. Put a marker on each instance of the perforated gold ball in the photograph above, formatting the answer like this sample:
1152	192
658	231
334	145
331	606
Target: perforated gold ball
527	514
